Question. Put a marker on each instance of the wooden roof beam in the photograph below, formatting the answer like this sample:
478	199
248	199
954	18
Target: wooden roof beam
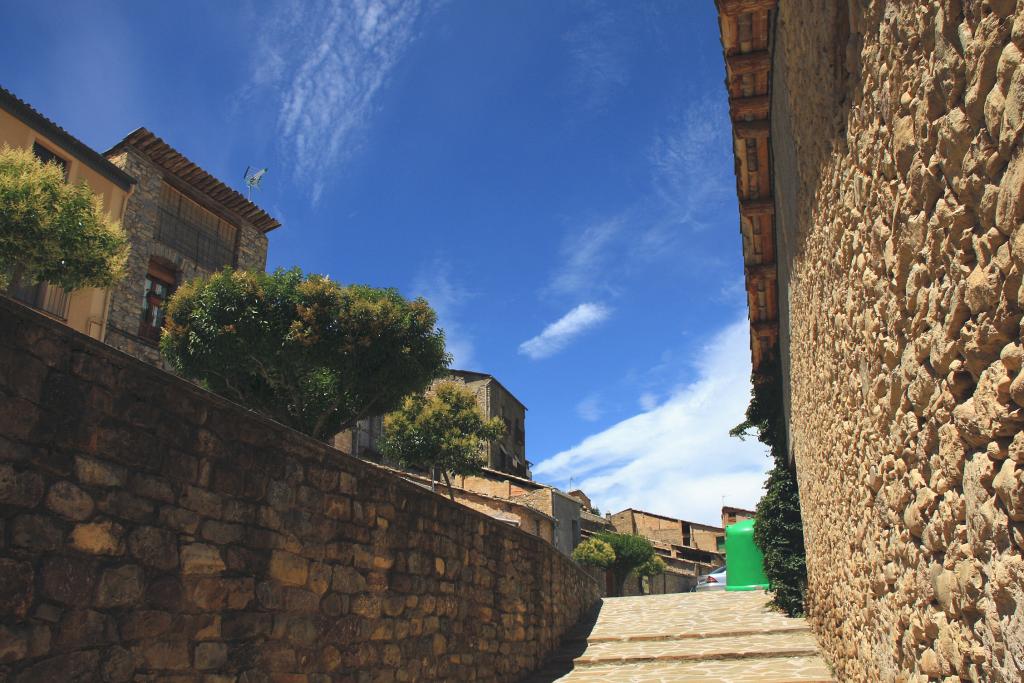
757	207
756	107
760	271
732	8
749	130
749	63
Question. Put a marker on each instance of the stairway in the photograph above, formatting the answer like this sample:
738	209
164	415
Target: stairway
700	637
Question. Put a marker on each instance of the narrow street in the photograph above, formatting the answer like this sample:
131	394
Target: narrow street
701	637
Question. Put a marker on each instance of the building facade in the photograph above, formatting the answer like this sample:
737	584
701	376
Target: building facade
880	166
731	515
21	126
507	454
182	223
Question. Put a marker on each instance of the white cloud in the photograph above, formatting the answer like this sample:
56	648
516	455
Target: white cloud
587	256
692	162
648	401
329	60
558	334
590	408
676	458
434	283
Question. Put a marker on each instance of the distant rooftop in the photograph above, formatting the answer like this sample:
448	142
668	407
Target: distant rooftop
28	115
476	376
178	164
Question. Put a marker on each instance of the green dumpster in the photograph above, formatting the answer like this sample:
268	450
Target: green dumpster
743	558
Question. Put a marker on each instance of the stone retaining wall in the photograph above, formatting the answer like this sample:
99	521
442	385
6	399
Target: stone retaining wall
150	531
901	183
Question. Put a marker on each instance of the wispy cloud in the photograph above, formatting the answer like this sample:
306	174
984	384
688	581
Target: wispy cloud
329	60
676	458
558	334
590	408
599	52
586	256
434	282
692	164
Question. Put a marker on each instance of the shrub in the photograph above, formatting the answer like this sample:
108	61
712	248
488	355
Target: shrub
52	231
594	553
631	552
308	352
778	529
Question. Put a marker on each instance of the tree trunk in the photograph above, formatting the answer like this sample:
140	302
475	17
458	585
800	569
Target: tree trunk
448	482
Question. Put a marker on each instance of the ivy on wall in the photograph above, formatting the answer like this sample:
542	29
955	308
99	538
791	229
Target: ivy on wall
778	530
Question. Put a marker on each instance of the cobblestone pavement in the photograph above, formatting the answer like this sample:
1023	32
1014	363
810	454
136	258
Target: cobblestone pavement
701	637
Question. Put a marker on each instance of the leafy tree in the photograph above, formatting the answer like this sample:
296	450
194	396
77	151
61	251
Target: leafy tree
652	567
310	353
631	553
441	428
594	552
778	528
53	231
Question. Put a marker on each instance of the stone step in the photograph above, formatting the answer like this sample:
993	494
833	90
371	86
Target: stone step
798	627
755	646
756	670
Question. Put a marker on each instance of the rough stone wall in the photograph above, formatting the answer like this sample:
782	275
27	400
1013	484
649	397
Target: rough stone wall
905	173
150	531
140	224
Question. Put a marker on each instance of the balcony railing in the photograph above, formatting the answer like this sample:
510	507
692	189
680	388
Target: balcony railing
43	296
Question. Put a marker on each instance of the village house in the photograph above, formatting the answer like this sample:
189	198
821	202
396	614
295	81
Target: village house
507	454
688	549
731	515
21	126
180	221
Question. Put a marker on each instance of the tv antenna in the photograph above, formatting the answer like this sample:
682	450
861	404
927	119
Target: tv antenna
253	177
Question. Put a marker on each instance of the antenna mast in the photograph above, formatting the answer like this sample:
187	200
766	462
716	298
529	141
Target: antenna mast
253	178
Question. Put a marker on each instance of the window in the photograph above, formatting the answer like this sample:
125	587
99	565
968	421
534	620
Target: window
48	157
160	281
195	232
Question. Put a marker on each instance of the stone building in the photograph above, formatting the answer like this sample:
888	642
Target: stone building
182	223
731	515
21	126
668	529
507	454
880	174
688	549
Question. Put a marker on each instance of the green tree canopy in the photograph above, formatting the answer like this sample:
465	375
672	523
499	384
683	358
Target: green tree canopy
631	553
52	231
652	567
441	428
308	352
594	552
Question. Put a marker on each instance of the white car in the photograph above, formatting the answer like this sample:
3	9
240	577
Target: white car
715	581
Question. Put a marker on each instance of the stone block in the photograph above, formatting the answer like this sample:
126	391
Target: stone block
21	489
99	473
69	580
69	501
98	538
83	628
36	533
289	569
154	547
201	558
167	655
210	656
120	587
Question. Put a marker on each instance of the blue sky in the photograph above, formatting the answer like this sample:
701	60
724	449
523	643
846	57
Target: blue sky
555	177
